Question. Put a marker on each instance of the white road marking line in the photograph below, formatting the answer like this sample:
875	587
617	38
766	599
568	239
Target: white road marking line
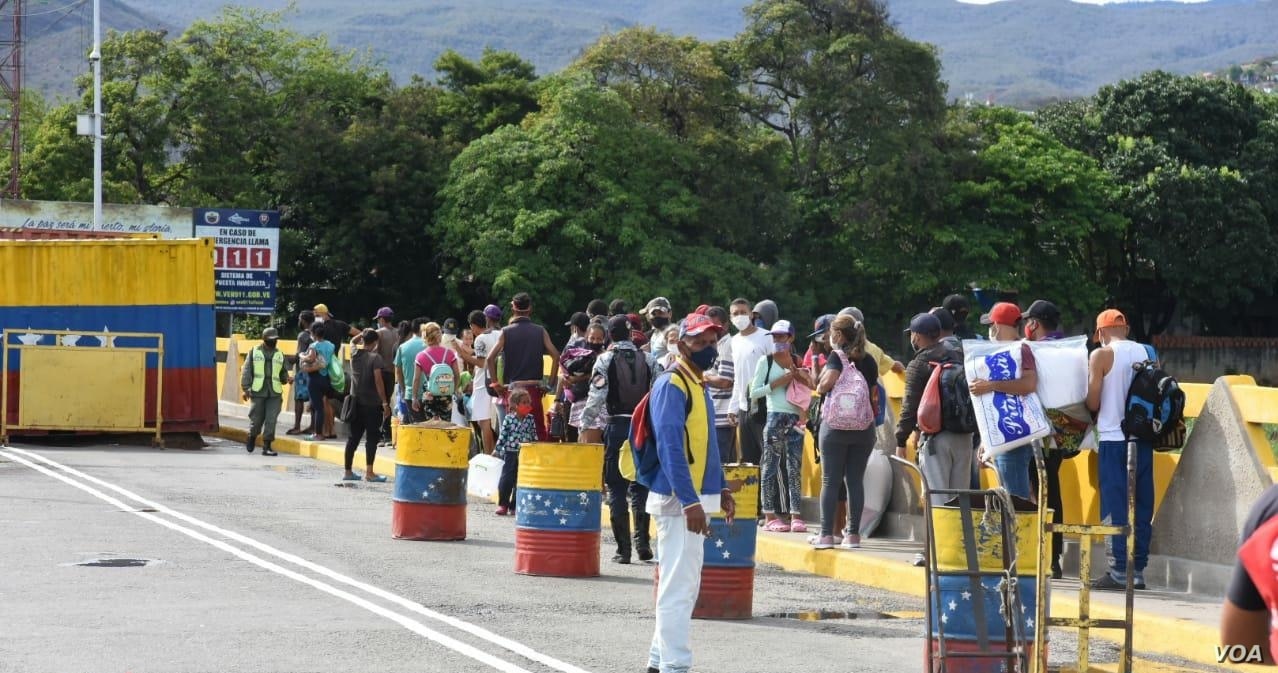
461	625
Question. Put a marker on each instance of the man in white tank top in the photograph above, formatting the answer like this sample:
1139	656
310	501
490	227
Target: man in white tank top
1109	376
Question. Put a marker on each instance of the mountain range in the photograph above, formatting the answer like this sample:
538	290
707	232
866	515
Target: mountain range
1015	52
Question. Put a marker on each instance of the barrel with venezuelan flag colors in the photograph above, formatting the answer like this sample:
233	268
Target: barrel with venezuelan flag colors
977	606
557	503
727	575
430	483
120	285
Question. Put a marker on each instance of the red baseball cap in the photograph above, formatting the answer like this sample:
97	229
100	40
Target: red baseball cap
1003	313
695	324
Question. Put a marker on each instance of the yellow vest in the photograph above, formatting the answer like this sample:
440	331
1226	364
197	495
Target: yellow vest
259	370
695	428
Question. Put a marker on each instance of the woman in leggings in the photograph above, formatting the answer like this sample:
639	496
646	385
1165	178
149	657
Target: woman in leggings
846	437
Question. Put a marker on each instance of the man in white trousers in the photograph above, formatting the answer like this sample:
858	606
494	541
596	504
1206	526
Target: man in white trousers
684	487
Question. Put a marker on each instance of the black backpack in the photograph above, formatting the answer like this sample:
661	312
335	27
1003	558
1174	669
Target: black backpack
626	387
1155	402
957	413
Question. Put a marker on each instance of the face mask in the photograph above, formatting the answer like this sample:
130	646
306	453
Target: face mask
319	319
595	347
915	345
740	322
270	343
705	358
660	322
524	409
1029	332
780	347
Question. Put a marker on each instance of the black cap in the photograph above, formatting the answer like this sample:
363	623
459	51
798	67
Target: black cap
450	326
955	303
821	325
1043	310
619	328
945	317
597	307
925	324
579	320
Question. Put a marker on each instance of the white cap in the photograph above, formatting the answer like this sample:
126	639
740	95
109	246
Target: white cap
782	327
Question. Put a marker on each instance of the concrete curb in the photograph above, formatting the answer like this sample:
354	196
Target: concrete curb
1152	634
320	451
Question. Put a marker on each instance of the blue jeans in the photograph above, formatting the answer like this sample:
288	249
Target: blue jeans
1013	470
1113	502
727	438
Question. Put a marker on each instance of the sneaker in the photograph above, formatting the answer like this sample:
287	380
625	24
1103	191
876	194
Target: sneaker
1140	581
822	541
851	542
797	525
1107	582
919	561
503	511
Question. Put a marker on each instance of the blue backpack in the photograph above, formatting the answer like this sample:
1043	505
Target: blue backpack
1155	403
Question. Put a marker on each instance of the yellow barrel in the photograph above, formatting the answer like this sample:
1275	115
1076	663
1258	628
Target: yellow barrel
987	530
563	467
429	497
747	495
557	504
433	447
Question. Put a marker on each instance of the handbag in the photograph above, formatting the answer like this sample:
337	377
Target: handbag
347	414
559	421
798	394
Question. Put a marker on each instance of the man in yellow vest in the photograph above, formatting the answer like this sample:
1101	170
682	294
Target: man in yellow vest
688	487
263	380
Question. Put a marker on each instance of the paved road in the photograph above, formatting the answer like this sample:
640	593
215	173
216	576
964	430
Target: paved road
261	564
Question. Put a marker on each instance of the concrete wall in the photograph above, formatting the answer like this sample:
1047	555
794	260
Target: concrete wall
1204	359
1218	478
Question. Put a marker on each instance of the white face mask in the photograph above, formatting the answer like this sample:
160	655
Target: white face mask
740	322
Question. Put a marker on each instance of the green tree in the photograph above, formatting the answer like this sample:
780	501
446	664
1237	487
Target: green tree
482	96
583	200
1191	161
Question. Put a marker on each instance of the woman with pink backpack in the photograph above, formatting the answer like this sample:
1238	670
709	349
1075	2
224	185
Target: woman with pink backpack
847	434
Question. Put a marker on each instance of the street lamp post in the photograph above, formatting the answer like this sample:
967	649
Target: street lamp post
95	57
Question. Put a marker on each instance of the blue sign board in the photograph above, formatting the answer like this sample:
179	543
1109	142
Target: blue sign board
247	257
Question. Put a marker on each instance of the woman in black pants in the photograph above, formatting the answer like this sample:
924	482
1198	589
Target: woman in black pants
372	405
847	435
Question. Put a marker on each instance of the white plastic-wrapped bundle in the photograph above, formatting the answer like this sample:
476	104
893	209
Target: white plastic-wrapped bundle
1005	421
1062	371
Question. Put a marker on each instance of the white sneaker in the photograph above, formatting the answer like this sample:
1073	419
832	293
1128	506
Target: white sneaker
851	542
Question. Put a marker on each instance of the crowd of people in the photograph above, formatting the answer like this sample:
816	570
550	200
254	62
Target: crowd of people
722	385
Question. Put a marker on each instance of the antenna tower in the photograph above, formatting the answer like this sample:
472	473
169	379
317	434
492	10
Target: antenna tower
11	20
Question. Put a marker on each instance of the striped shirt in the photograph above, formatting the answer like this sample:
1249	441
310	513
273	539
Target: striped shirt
722	398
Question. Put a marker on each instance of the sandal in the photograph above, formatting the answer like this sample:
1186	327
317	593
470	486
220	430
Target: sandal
350	477
377	478
293	431
797	525
777	526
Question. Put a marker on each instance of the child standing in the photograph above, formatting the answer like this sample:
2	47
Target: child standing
517	428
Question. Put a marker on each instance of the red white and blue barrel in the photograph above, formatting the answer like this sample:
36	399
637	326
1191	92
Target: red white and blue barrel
430	484
558	498
727	575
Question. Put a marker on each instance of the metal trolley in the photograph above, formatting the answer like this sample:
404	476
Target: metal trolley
1084	623
994	535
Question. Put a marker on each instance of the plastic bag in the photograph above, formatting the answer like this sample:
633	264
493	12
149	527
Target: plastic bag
1005	421
929	414
1062	371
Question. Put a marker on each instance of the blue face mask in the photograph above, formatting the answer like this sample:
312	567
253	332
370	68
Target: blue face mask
705	358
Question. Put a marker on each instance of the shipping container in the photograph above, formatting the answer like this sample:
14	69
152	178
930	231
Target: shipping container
23	234
120	285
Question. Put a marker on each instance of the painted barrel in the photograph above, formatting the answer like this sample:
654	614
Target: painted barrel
978	664
973	614
429	501
972	609
727	575
987	531
557	503
125	285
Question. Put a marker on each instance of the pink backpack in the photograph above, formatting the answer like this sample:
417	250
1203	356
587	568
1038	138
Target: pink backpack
847	406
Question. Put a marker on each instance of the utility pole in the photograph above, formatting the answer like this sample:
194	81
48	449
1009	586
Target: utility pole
11	93
96	58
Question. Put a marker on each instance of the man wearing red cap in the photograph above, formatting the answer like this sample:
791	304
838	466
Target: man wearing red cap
1109	376
683	491
1012	466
